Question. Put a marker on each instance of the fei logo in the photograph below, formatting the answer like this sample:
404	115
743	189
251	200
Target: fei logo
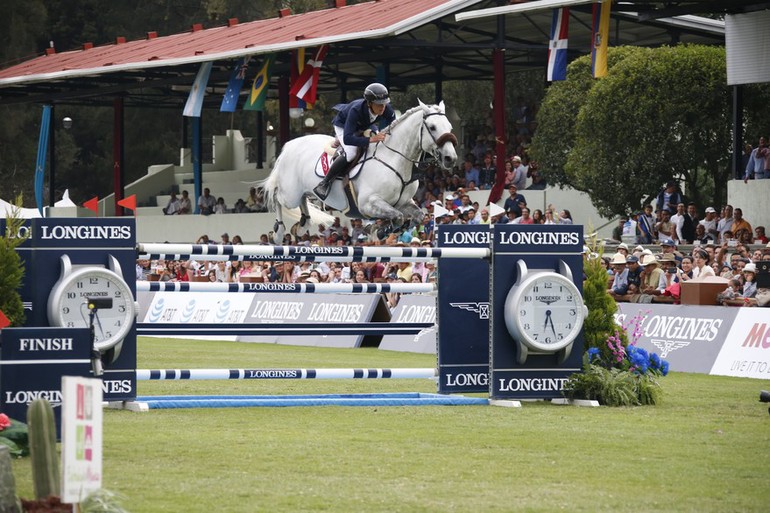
482	309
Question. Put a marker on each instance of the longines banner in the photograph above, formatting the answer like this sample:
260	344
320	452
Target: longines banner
255	308
413	308
707	339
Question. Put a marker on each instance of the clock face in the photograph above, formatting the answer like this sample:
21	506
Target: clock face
546	310
68	304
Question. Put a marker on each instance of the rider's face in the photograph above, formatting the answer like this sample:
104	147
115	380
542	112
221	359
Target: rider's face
377	108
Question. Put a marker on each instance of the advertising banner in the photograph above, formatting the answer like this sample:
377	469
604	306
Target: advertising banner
463	312
534	360
81	454
32	363
746	349
688	336
413	308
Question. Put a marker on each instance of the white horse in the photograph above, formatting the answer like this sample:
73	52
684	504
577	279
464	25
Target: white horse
382	180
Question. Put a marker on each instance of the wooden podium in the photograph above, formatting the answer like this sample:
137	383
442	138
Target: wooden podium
702	291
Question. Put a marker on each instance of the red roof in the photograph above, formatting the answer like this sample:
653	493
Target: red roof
374	19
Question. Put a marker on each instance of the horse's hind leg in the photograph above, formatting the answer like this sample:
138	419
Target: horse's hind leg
412	212
303	208
278	228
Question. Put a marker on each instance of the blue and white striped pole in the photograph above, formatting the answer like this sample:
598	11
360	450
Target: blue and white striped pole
297	288
243	374
337	253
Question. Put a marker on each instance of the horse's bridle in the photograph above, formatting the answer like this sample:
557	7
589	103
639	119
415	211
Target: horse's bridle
438	142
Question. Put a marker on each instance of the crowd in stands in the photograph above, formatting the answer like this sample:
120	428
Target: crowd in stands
208	204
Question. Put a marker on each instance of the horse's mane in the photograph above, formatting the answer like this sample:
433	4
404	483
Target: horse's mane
405	115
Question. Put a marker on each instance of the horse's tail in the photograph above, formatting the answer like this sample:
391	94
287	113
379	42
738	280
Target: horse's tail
269	186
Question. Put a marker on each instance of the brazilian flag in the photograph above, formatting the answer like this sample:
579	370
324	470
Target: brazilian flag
256	98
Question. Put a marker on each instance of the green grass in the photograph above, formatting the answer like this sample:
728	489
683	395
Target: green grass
705	448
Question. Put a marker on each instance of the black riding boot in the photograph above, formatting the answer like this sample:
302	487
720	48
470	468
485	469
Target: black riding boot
339	166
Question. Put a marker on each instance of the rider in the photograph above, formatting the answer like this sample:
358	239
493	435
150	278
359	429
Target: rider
350	122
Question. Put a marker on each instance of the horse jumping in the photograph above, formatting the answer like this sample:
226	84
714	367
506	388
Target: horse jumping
382	180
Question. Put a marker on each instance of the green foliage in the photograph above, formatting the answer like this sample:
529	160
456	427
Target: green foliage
600	322
11	268
611	387
102	501
659	114
15	437
42	445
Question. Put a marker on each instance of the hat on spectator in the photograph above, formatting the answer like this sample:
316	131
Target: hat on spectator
400	243
304	273
668	242
362	237
639	248
312	279
646	252
618	259
516	157
750	268
649	260
710	210
391	276
668	257
426	243
415	240
225	235
632	259
449	196
623	245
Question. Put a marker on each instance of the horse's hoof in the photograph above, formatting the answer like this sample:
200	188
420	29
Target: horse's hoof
302	220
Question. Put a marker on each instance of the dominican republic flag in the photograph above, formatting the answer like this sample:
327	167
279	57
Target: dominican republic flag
233	91
601	38
557	47
306	85
192	109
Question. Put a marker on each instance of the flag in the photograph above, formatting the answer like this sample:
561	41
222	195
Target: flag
601	38
297	67
256	98
306	85
192	109
557	47
439	210
495	209
129	202
233	91
93	205
4	322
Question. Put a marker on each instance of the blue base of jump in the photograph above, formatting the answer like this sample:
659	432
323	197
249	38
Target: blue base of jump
241	401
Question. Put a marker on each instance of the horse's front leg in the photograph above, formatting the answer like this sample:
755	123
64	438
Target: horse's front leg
377	208
412	212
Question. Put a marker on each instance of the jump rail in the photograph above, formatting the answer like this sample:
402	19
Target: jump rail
372	328
337	253
297	288
289	258
243	374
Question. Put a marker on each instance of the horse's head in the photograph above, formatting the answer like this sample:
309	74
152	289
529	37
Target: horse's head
436	135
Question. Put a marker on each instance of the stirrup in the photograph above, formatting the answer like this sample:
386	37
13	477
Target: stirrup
323	189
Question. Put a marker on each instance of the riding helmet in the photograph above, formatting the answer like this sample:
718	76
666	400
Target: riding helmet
377	93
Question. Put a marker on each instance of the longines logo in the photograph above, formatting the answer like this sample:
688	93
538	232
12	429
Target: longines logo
668	346
479	308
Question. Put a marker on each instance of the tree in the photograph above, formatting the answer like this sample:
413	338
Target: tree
660	114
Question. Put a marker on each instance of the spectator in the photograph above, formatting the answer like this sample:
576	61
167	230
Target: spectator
646	226
487	173
725	224
685	273
760	237
225	239
220	207
750	284
240	207
173	206
759	162
669	198
741	226
538	182
565	217
515	201
524	218
619	286
206	203
256	200
519	173
678	221
701	267
733	290
471	172
185	205
665	228
652	279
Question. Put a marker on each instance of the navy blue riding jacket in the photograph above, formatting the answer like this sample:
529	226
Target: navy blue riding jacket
354	118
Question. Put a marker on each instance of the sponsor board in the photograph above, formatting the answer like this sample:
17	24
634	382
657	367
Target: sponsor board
413	308
689	336
745	352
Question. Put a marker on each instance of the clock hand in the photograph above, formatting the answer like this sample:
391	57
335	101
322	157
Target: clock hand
96	316
549	320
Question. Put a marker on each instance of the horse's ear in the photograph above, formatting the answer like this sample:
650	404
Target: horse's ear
422	105
441	106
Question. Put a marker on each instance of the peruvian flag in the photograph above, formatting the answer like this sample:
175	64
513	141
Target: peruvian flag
557	47
306	84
